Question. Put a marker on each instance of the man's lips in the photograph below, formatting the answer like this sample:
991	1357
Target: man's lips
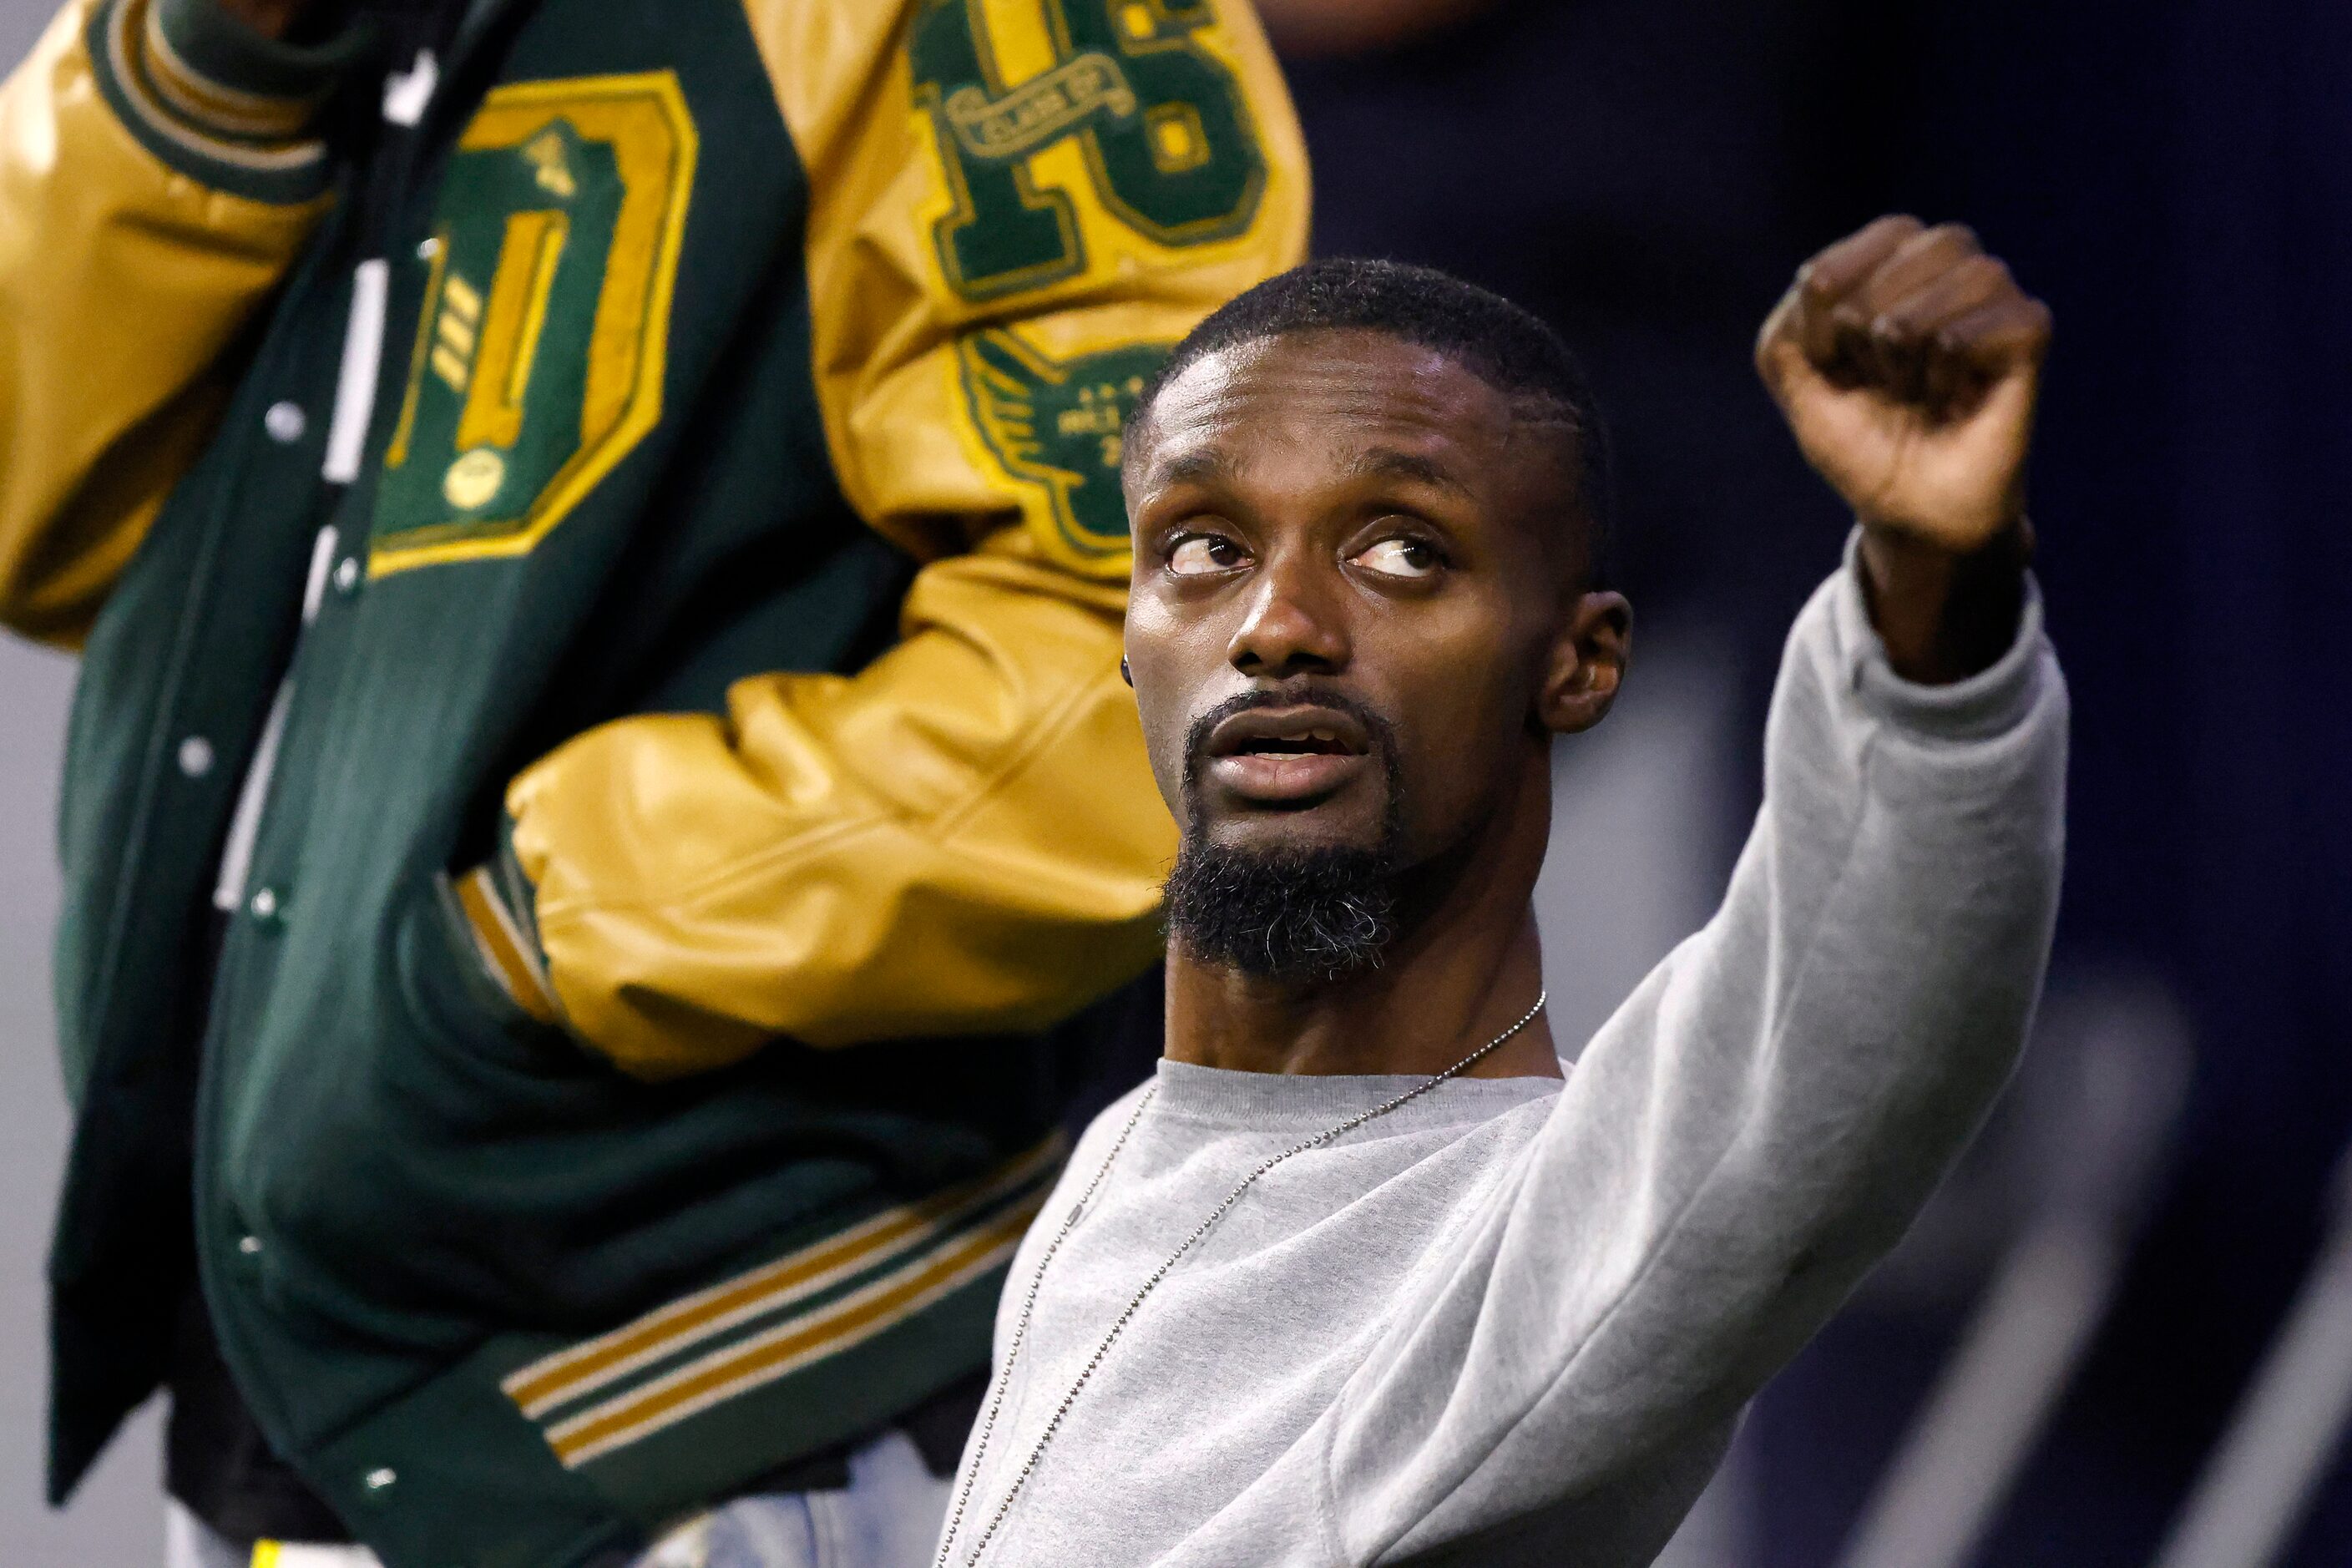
1286	753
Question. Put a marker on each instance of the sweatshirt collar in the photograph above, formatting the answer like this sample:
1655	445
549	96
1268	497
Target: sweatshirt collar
1266	1099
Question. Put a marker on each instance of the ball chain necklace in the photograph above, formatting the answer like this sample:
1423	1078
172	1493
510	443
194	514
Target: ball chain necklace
1119	1325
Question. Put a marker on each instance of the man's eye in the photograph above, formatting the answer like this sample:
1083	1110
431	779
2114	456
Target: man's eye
1399	558
1197	554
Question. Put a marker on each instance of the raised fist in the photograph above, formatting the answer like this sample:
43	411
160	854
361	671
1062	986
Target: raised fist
1907	361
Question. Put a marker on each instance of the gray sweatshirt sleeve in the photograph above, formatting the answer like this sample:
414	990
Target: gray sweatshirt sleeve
1758	1123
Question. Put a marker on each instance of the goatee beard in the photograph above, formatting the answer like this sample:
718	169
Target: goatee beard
1307	913
1288	914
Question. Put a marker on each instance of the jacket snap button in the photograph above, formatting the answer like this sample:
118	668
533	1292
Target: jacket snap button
249	1244
263	906
380	1480
285	422
195	756
347	575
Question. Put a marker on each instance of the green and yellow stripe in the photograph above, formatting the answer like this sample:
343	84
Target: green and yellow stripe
602	1395
508	952
251	144
230	111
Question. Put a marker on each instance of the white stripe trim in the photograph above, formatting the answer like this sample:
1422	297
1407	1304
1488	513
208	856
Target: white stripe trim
356	384
314	586
474	938
297	1554
993	1257
245	827
253	794
918	1239
525	948
587	1348
253	113
158	118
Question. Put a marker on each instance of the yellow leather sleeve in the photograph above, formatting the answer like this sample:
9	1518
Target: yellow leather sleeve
965	835
129	262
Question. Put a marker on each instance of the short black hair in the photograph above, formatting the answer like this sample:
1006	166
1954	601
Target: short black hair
1503	345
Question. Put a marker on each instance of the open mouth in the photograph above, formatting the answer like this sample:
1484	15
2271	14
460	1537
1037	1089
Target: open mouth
1302	731
1286	754
1314	743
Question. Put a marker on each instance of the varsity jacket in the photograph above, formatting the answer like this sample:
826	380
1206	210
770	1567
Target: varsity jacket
597	557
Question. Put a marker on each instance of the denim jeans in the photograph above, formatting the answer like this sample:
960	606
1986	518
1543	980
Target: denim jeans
888	1517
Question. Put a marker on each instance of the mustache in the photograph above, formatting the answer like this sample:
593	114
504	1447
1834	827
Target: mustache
1380	733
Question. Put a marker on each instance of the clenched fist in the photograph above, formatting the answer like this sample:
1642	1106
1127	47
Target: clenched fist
1908	361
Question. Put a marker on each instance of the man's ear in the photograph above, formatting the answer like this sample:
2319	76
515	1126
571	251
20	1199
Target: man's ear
1587	663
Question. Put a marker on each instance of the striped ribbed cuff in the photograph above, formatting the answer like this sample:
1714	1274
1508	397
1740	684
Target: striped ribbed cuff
493	905
674	1392
216	99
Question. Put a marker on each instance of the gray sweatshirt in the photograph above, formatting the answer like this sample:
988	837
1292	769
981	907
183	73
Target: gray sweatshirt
1513	1322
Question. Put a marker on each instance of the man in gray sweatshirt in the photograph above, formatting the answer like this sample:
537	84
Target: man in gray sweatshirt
1361	1277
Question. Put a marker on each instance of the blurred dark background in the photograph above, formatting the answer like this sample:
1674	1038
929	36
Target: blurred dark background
2042	1376
2172	176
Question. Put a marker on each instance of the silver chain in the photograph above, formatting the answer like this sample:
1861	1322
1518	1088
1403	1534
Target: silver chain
1119	1326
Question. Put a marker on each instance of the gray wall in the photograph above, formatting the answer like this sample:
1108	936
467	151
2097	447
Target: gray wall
117	1520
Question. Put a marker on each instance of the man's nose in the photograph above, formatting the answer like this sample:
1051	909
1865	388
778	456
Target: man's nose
1292	625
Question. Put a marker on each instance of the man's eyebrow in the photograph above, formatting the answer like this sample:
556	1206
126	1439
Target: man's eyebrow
1202	464
1389	463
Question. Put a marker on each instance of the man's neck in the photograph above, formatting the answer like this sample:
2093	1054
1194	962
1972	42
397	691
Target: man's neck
1468	968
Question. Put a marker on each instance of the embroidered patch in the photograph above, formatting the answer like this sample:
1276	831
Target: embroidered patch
1054	425
539	350
1120	114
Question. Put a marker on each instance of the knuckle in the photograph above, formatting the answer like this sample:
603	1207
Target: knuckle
1847	333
